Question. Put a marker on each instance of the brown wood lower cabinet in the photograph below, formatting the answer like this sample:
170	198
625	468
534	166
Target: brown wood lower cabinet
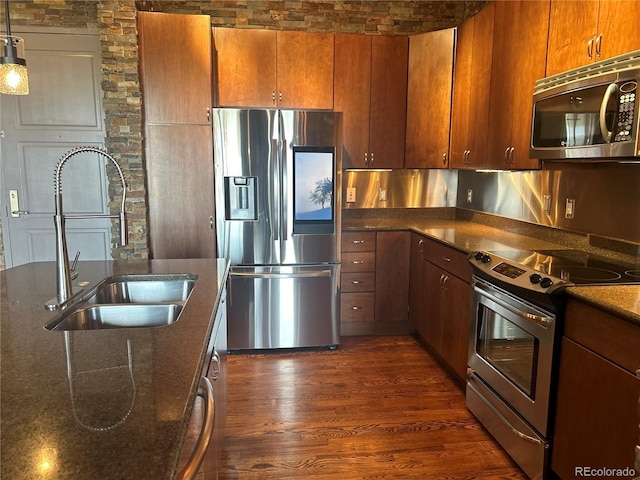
597	415
374	282
440	301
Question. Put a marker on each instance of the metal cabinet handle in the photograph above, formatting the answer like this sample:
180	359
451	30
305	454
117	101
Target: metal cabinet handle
366	158
280	97
590	48
506	155
356	307
446	259
205	390
511	152
598	45
442	280
421	244
357	242
444	158
372	159
273	96
357	262
355	282
208	114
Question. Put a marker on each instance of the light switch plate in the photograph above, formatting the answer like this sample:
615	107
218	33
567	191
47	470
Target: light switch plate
351	194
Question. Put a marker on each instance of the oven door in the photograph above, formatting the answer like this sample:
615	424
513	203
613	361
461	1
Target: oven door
511	351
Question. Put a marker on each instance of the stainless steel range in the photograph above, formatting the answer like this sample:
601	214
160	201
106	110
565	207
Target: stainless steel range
516	323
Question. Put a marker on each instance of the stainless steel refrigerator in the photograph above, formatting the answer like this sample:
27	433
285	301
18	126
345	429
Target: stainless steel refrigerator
278	176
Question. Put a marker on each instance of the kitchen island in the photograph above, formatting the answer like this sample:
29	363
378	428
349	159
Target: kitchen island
108	404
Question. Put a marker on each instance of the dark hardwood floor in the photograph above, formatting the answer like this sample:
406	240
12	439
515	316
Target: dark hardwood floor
376	408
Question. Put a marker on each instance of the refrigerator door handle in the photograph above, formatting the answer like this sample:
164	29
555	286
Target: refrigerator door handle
313	274
285	188
276	186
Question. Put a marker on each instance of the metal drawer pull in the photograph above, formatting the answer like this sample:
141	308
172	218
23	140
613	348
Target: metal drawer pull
355	282
446	259
356	307
205	390
357	262
357	242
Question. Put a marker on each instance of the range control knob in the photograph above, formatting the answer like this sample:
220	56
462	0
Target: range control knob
546	282
486	259
535	278
478	256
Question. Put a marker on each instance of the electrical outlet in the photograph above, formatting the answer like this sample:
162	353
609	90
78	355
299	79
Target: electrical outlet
382	194
351	194
546	201
570	208
469	196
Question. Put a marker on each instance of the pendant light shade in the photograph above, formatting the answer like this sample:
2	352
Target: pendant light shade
13	67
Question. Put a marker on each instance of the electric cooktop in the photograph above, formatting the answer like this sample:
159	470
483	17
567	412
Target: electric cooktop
574	266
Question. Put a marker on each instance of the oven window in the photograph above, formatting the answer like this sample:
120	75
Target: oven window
509	349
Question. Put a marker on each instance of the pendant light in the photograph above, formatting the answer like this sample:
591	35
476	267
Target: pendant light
13	67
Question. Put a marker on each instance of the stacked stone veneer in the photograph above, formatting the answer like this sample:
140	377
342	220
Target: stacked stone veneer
122	105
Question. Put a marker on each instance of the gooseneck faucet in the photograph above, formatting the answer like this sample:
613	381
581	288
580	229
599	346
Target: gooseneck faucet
63	273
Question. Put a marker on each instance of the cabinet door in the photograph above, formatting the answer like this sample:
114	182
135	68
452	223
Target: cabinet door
520	26
305	70
572	25
432	325
618	25
246	67
352	96
179	167
175	74
455	323
392	276
597	413
471	87
429	99
417	285
389	63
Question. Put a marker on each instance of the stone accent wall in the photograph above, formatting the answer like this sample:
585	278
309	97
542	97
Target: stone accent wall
116	20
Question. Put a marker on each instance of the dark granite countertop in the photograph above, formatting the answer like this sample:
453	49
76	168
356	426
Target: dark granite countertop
108	404
467	236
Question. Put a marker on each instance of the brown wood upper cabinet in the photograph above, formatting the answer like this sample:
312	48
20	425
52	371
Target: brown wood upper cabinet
268	68
175	75
471	87
370	88
519	56
429	99
582	32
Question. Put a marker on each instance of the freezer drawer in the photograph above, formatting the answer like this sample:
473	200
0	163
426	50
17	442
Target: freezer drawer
283	307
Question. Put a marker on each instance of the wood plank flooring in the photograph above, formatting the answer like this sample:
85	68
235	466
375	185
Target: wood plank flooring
376	408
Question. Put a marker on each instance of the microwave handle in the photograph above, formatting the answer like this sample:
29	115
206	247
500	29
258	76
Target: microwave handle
606	133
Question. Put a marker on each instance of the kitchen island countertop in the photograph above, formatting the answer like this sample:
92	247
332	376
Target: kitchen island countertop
108	404
467	236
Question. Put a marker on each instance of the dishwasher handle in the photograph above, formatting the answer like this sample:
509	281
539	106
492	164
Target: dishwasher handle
308	274
205	390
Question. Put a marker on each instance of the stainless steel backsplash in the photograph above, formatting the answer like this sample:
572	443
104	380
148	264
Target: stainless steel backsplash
606	195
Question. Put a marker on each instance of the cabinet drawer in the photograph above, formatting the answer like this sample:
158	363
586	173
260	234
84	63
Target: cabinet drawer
359	262
356	307
358	241
614	338
358	282
447	258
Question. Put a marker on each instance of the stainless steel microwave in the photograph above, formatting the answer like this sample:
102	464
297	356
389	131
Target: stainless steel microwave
587	114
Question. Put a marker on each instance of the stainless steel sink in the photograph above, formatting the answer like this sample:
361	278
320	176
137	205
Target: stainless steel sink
128	301
94	317
143	289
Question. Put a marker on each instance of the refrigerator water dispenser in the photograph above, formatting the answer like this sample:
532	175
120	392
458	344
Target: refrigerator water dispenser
241	198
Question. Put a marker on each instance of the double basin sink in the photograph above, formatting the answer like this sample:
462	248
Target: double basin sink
128	301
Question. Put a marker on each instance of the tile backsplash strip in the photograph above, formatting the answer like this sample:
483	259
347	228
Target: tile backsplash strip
605	196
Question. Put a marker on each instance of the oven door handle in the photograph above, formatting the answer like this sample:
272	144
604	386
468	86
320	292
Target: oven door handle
539	319
522	435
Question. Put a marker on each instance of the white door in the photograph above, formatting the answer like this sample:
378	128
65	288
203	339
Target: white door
62	111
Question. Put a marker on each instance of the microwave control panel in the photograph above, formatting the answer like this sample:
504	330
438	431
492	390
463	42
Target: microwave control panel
626	111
